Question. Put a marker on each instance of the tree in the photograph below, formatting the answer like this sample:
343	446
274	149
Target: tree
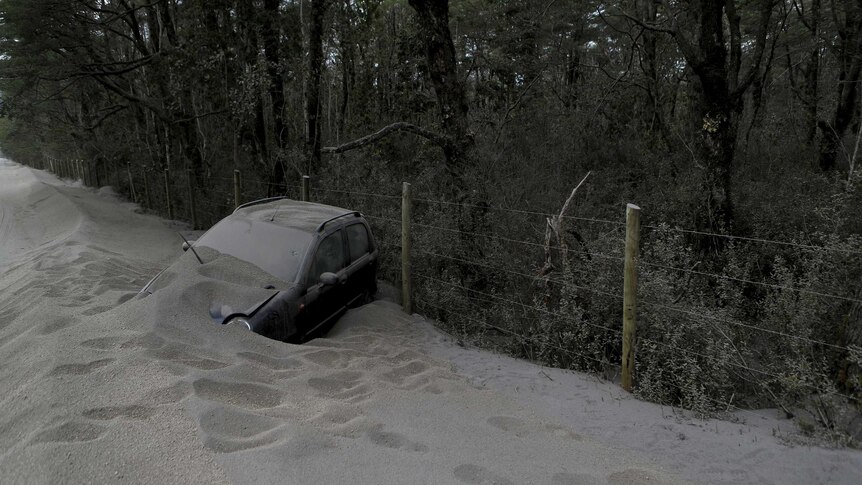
312	85
716	62
849	58
433	16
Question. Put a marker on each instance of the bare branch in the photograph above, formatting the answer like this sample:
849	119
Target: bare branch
435	138
555	228
645	25
111	112
203	115
145	102
514	105
759	47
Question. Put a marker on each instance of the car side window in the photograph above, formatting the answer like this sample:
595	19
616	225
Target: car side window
328	258
357	241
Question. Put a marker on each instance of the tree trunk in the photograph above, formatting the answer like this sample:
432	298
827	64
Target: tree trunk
312	84
433	16
653	116
271	33
254	129
812	74
347	80
850	66
715	110
442	65
716	62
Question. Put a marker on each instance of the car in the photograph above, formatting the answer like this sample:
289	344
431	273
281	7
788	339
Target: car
288	269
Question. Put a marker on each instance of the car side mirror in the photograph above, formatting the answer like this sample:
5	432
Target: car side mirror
328	279
187	245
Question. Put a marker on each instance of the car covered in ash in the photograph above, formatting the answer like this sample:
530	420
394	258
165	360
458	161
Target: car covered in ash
281	268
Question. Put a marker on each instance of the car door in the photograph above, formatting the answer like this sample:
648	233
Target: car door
324	303
361	269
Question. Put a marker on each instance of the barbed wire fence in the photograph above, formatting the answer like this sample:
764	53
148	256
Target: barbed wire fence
573	317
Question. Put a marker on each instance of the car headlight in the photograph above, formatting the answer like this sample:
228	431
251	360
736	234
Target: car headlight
241	321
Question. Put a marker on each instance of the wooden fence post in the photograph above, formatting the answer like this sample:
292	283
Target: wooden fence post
132	190
192	212
406	283
168	193
237	188
630	289
305	195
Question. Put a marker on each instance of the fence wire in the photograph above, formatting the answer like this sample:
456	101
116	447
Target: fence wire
512	302
751	282
520	337
218	201
809	247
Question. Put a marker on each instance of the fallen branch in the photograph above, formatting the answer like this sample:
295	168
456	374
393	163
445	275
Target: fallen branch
555	230
435	138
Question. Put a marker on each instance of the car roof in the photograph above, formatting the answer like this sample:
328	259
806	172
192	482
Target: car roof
295	214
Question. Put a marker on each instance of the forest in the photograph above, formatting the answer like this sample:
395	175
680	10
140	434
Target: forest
734	125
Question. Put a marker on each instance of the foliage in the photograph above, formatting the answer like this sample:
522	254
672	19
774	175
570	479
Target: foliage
555	89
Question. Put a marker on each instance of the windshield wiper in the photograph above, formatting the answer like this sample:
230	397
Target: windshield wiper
191	247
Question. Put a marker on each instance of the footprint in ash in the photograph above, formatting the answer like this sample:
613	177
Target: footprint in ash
79	369
479	475
228	430
102	343
344	385
173	393
634	476
389	439
576	479
180	353
56	324
108	413
247	395
271	363
510	424
70	432
400	374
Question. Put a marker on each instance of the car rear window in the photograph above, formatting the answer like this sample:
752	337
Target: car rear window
275	249
357	241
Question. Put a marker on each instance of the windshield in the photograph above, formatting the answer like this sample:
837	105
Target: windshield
275	249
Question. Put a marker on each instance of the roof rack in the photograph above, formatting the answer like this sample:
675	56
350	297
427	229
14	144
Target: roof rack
260	201
324	223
